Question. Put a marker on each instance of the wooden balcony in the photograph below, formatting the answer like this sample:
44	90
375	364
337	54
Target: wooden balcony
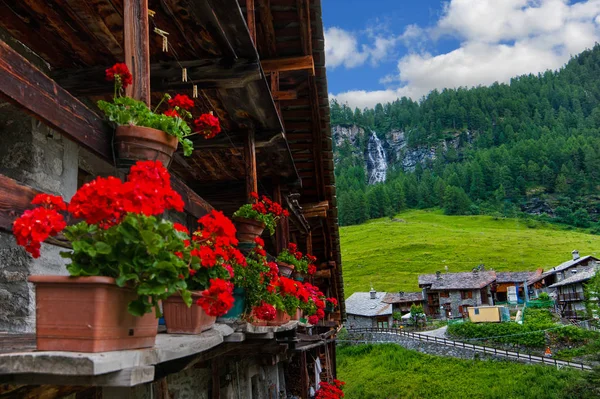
571	297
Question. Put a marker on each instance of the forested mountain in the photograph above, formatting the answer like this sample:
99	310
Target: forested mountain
531	146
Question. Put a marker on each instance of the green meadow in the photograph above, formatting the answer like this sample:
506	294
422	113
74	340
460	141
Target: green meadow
388	371
390	254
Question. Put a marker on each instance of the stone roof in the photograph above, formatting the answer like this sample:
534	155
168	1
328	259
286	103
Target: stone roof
583	275
361	304
399	297
458	281
516	277
561	267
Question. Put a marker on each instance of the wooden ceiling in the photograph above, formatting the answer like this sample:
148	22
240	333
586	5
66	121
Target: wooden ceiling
78	39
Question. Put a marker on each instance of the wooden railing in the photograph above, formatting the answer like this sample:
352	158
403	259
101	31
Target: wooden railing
515	355
571	296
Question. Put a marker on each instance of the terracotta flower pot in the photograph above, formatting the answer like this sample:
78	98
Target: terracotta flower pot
297	315
285	269
180	319
280	319
88	314
135	143
248	229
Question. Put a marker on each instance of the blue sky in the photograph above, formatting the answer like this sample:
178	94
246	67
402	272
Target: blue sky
379	50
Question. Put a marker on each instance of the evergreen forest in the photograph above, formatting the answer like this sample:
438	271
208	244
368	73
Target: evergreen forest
530	148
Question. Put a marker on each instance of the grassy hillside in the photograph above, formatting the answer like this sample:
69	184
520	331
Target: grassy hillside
391	254
389	371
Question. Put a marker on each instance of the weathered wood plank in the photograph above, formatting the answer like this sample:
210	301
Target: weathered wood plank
289	64
194	204
206	73
15	198
27	87
285	95
250	164
137	48
251	19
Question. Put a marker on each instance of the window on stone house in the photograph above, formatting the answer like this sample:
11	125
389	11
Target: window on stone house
444	294
466	294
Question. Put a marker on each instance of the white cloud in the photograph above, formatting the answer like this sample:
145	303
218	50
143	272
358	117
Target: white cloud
499	39
342	48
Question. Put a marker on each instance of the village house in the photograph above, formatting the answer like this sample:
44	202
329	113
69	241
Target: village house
543	282
402	301
513	287
367	310
261	71
449	295
570	293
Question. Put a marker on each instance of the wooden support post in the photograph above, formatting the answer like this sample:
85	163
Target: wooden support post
137	48
251	19
250	165
279	231
309	246
304	376
216	380
275	89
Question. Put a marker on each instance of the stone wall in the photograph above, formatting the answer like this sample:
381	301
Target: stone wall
430	348
37	156
355	321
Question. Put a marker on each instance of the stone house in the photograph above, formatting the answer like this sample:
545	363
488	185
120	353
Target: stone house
268	88
570	293
367	310
449	295
558	273
513	287
402	301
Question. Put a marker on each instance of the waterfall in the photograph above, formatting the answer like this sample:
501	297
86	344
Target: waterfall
376	160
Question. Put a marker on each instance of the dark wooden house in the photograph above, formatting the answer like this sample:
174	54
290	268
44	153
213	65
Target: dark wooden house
259	66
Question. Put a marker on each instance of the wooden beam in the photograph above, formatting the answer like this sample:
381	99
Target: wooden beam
315	210
303	8
15	198
194	204
207	74
137	48
285	95
251	19
30	89
309	245
216	380
250	165
289	64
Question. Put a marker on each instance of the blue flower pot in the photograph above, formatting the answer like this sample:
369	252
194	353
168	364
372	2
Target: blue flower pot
239	304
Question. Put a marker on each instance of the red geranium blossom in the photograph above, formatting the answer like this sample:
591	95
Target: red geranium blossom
265	311
172	113
35	226
49	201
313	319
181	101
218	298
120	72
208	125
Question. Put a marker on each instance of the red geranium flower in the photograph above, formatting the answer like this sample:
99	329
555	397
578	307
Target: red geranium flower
265	311
172	113
313	319
121	72
218	298
208	125
181	101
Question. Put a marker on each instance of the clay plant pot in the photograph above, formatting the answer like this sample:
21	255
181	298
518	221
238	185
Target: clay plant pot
88	314
297	315
280	319
247	229
138	143
180	319
285	269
